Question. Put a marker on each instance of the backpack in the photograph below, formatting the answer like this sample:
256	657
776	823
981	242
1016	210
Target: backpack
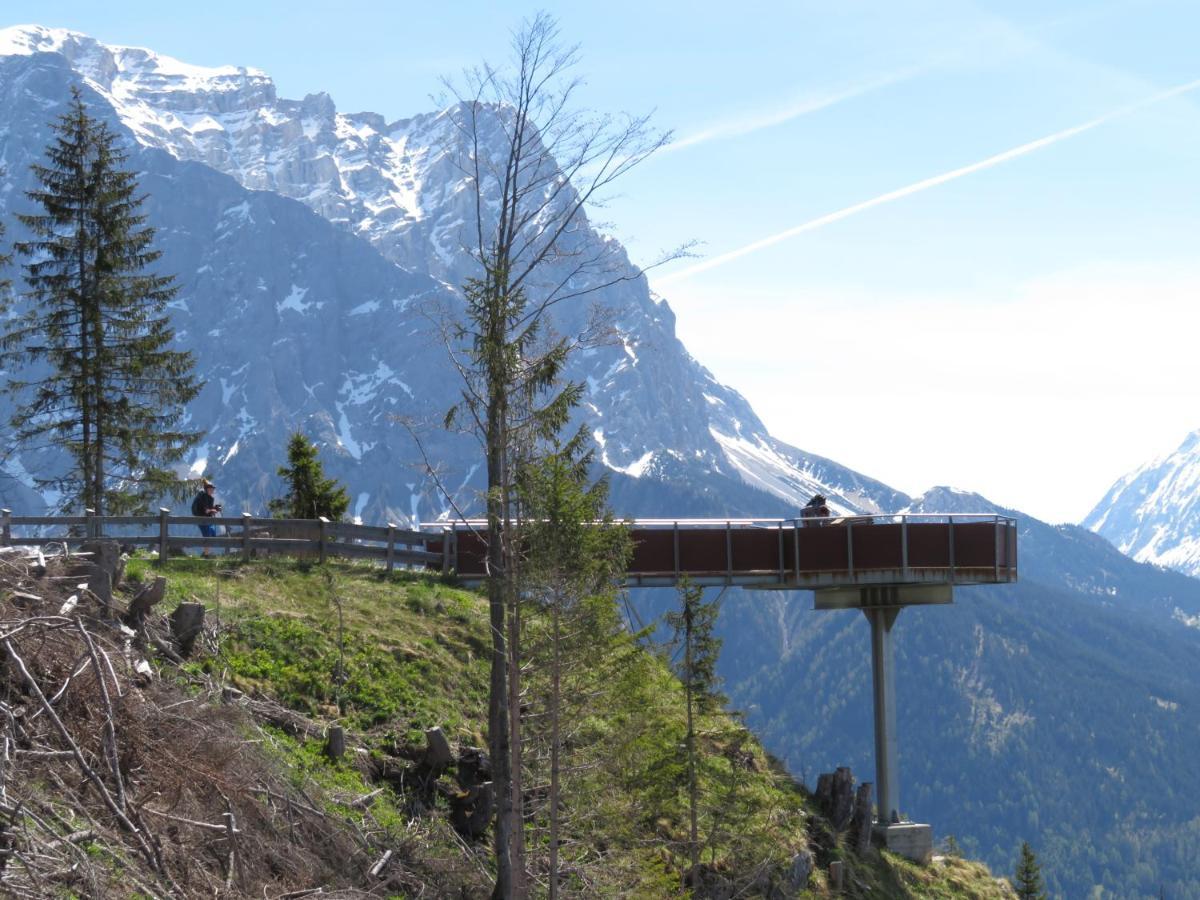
196	510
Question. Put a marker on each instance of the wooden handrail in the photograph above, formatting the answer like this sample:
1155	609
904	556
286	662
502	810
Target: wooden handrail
390	545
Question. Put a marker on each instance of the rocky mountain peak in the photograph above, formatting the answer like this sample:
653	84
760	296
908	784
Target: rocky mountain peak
261	281
132	70
944	499
1153	513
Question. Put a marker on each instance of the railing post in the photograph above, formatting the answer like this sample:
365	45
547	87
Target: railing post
728	553
850	549
163	541
1011	547
951	520
89	528
321	542
782	563
454	546
996	549
391	546
5	527
246	536
904	545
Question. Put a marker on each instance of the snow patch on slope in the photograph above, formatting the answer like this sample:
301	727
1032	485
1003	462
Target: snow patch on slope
294	301
760	465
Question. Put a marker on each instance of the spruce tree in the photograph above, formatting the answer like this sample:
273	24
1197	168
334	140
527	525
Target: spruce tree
310	494
693	626
1027	880
100	378
573	556
529	191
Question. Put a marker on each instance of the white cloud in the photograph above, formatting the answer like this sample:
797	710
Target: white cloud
1039	399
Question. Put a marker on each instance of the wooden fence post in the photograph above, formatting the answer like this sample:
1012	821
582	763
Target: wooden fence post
246	536
90	529
391	546
5	527
321	544
447	534
163	541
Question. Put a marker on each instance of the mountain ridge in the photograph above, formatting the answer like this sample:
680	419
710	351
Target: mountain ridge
712	430
1153	513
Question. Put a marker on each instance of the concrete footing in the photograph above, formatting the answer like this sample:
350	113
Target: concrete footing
906	839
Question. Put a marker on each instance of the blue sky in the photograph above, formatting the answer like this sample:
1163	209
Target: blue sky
1025	329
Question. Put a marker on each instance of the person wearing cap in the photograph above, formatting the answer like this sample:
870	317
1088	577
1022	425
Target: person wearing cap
816	509
205	504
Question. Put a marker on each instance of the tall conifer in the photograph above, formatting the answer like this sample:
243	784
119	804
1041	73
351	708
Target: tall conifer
694	626
573	557
101	379
1028	878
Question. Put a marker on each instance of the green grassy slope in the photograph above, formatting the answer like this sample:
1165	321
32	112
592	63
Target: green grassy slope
390	656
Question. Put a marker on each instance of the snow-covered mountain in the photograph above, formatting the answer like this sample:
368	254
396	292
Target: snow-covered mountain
310	246
1153	513
261	288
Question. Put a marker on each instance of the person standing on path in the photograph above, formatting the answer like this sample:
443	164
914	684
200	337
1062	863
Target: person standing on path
205	504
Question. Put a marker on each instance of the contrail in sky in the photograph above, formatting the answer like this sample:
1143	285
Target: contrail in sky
934	181
810	104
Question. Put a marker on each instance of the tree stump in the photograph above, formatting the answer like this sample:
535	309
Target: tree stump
107	555
824	793
835	875
148	596
437	757
474	767
186	623
842	803
103	567
471	811
861	821
335	742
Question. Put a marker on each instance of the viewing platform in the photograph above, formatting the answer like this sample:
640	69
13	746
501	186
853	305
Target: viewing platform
828	555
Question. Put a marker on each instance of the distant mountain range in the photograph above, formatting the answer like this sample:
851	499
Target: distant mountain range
1153	513
314	252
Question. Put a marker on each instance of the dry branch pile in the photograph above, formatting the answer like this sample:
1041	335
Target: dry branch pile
114	782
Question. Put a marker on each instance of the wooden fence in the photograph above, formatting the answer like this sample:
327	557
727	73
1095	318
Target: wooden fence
245	535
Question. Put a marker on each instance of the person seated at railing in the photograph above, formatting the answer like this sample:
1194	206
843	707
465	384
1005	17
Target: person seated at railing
816	509
205	504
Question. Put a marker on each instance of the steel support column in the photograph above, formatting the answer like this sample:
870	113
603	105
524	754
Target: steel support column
883	671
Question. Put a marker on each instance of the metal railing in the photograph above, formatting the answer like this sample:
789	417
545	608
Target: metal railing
803	552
